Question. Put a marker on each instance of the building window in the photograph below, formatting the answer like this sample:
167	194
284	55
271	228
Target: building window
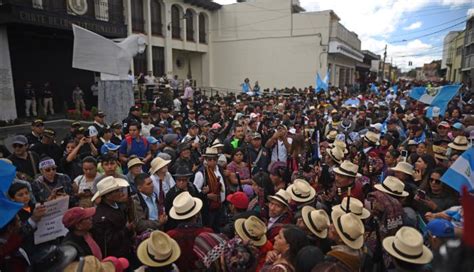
138	22
156	25
202	28
459	51
102	10
189	25
158	60
139	64
175	22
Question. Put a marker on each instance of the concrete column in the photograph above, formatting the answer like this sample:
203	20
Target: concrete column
149	57
7	94
128	12
184	27
168	41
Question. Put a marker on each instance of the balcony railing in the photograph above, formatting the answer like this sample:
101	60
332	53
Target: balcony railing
342	34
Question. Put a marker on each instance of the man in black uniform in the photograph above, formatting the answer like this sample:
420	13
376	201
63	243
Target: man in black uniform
99	123
48	146
37	128
258	156
133	117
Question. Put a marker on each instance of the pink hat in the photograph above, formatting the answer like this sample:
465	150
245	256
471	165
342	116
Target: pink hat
76	214
216	126
120	263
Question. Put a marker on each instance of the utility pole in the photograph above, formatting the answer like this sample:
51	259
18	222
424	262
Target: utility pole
383	63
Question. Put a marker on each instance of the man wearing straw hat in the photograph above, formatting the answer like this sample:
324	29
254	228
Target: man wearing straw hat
186	210
111	229
278	212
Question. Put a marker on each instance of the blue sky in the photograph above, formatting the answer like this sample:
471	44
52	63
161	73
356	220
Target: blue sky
380	22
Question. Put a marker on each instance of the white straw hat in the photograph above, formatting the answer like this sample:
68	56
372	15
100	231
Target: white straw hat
317	221
301	191
403	167
350	229
107	185
185	206
347	168
158	250
251	229
393	186
407	245
158	163
355	206
281	196
460	143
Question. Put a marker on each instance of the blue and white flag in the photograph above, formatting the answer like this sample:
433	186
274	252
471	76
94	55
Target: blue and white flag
461	172
374	89
395	89
322	84
435	96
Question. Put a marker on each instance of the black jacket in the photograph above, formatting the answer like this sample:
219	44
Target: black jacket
78	243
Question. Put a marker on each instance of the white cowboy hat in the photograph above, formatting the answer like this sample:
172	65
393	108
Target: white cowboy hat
107	185
158	250
185	206
403	167
341	145
393	186
158	163
217	143
300	191
407	245
336	154
332	135
251	229
372	137
317	221
348	169
355	206
460	143
350	229
281	196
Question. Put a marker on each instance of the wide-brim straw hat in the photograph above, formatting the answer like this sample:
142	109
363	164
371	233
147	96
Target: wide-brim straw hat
301	191
440	152
403	167
349	228
355	206
372	137
332	135
341	145
251	229
460	143
336	154
348	169
211	152
392	186
407	245
158	163
135	161
158	250
185	206
317	221
282	197
217	143
107	185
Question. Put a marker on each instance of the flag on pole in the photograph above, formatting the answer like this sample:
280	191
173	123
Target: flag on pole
321	85
374	89
7	175
461	172
435	96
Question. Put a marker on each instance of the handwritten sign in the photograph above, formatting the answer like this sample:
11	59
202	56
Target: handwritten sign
51	226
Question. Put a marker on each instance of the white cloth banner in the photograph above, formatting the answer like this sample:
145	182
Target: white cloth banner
51	226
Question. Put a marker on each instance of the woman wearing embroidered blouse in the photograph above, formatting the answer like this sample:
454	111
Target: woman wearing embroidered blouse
238	165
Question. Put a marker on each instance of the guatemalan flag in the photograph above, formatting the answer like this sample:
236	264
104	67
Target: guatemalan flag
435	96
322	84
461	172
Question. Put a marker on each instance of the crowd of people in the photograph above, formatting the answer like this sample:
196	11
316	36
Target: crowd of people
326	181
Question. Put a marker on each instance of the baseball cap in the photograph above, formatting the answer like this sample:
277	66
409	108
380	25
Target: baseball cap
20	139
216	126
377	126
441	228
134	108
76	214
239	199
458	125
145	114
256	135
99	113
444	124
116	125
49	132
76	124
37	122
151	140
108	147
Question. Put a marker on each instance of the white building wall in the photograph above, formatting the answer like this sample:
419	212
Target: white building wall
7	95
264	41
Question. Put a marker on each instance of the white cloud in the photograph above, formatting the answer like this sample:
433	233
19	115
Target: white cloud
413	26
470	12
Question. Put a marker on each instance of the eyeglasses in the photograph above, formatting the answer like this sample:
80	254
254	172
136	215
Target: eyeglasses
18	145
436	181
50	169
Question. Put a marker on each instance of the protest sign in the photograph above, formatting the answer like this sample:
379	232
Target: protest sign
51	226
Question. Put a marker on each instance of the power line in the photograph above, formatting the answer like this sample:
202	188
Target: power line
429	34
422	30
